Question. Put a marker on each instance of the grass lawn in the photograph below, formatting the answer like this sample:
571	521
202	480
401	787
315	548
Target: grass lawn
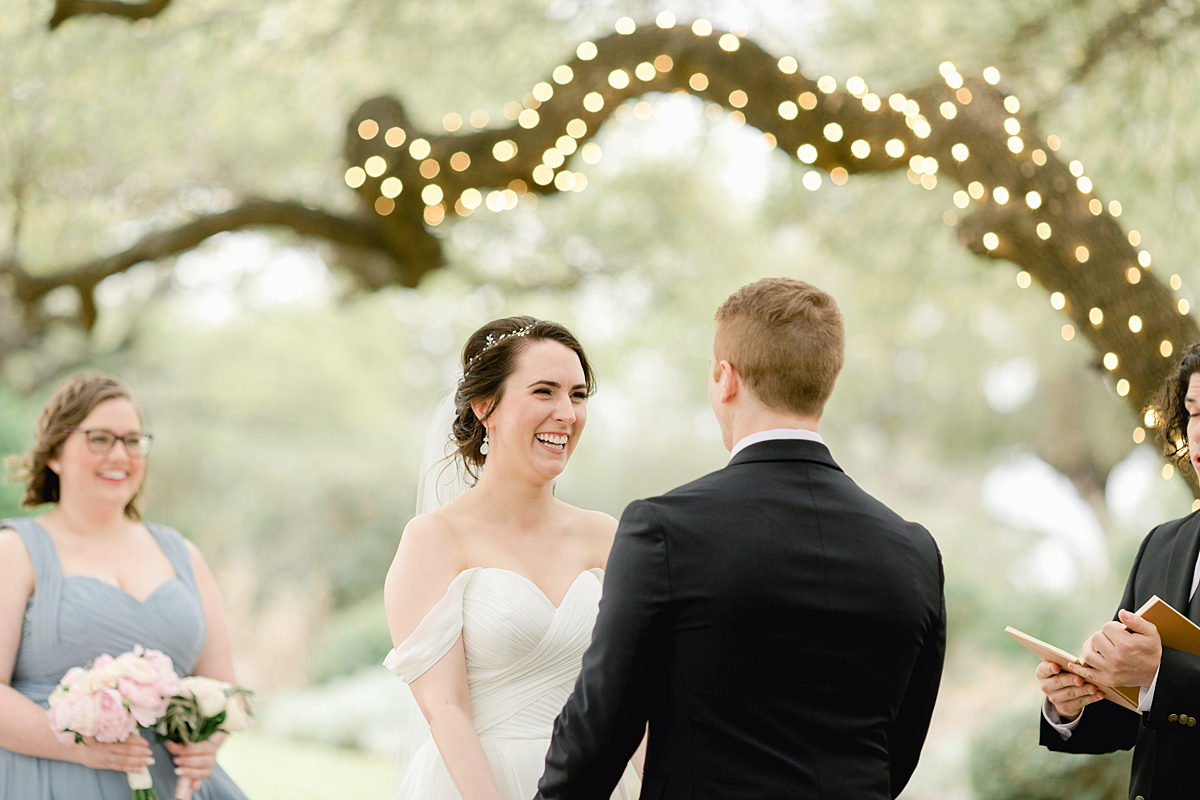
279	769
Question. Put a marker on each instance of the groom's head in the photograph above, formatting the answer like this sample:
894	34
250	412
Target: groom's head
784	341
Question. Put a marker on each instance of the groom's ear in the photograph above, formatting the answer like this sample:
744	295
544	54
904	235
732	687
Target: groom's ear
728	379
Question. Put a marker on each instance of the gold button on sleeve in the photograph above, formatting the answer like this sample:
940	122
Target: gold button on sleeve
1191	722
1173	718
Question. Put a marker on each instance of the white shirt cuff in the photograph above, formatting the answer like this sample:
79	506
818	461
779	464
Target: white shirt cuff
1051	715
1146	694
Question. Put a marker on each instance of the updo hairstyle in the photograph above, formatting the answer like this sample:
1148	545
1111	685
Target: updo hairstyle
488	358
68	407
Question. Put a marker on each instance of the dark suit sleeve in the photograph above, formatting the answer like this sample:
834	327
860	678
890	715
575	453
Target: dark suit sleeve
1177	692
1104	726
907	735
605	717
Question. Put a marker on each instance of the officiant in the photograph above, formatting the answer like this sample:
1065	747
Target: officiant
1129	652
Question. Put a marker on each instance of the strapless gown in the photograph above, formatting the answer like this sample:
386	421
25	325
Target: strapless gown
523	656
71	620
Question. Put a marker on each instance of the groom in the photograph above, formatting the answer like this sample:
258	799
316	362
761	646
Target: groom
781	630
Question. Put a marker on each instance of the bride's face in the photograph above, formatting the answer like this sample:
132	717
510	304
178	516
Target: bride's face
539	419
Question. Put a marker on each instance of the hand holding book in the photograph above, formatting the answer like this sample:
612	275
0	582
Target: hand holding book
1124	653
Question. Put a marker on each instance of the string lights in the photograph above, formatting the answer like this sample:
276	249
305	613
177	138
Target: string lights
1016	199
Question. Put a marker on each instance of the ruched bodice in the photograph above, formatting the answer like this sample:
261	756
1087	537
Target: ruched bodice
523	656
69	620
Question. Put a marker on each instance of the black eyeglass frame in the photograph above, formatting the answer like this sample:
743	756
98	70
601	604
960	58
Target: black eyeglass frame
137	446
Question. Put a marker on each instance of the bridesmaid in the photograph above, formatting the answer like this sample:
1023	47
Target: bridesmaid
89	577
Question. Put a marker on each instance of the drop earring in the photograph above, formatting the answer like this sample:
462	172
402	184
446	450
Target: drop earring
483	448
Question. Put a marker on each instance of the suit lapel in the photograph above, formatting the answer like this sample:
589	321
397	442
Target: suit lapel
1181	566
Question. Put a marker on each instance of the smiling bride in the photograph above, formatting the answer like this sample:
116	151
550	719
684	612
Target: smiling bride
492	596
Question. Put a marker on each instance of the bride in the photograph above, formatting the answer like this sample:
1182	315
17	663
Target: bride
492	597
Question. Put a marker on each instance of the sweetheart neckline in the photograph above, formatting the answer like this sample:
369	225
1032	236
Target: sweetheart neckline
537	588
124	591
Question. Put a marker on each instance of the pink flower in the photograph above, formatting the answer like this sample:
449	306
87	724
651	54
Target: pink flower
114	723
73	712
146	701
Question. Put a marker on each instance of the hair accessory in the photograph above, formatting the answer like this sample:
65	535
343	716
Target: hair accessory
493	340
483	448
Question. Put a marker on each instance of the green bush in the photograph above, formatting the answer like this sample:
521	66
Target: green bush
356	637
1007	763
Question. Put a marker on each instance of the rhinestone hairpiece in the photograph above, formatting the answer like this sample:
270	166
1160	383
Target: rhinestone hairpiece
492	340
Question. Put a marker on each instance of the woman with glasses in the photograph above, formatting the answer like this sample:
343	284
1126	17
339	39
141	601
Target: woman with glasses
90	577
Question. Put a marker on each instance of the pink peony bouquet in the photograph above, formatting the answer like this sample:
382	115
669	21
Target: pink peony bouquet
110	698
202	708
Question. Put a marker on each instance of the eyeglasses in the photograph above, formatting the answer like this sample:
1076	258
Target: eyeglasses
101	441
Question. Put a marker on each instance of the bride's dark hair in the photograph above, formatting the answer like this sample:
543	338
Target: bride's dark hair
488	358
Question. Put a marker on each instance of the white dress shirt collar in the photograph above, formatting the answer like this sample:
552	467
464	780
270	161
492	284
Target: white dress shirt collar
775	433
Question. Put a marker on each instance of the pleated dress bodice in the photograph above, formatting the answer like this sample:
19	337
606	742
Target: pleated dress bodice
70	620
523	656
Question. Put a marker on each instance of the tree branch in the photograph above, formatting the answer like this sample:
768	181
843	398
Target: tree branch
1028	207
350	232
65	9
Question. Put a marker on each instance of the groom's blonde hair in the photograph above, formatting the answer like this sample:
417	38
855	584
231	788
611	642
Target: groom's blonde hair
786	340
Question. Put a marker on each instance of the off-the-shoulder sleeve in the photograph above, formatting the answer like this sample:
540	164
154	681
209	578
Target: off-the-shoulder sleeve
434	637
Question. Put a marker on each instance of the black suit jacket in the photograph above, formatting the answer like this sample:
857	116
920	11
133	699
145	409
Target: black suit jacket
1166	756
781	631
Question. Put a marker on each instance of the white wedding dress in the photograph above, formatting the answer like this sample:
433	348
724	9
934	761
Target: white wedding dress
523	656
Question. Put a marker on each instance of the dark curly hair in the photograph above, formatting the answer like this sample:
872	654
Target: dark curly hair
488	358
1170	411
70	404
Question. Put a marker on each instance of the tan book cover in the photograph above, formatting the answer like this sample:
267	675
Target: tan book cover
1124	696
1176	631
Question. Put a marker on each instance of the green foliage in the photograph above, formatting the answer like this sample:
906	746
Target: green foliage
356	637
1008	764
15	435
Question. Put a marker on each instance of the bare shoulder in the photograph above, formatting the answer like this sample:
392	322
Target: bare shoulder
597	529
430	537
198	562
428	559
16	567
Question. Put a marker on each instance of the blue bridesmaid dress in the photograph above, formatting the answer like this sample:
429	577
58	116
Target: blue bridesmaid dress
71	620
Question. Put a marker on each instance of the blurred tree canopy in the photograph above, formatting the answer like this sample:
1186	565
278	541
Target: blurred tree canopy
290	407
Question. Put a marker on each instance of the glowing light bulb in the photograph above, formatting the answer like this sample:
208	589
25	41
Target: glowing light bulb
1133	275
1024	279
355	177
738	98
1058	301
833	132
976	190
860	148
991	241
811	180
960	152
395	136
856	86
702	27
1111	361
645	71
948	110
1000	195
827	84
962	199
806	153
375	166
1043	230
788	110
1068	332
577	128
894	148
391	187
543	92
528	119
586	51
698	81
807	101
1135	324
618	79
590	153
566	145
871	102
625	26
368	129
788	65
1144	258
1166	348
562	75
471	198
1011	104
1122	390
452	122
593	101
419	149
1033	200
504	151
432	194
1114	208
991	75
460	161
1096	317
665	20
1082	254
729	43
